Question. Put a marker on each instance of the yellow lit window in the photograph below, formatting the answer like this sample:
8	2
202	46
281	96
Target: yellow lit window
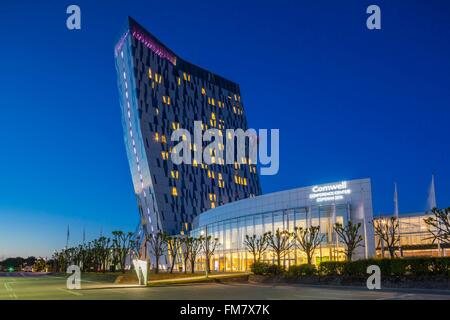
149	73
210	174
164	155
194	162
174	191
156	136
174	174
203	91
179	81
212	197
163	139
175	125
213	205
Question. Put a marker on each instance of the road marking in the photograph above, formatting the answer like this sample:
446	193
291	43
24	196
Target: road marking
398	297
74	292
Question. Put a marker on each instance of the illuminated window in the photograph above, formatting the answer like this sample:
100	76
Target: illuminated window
194	162
175	125
179	81
163	139
174	192
174	174
203	91
156	138
166	100
164	155
149	73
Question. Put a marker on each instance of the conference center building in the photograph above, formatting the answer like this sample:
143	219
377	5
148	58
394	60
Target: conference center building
319	205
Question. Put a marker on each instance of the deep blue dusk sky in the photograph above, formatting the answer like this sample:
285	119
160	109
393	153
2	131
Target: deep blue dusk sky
349	102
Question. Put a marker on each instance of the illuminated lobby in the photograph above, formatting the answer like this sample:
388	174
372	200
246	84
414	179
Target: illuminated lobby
320	205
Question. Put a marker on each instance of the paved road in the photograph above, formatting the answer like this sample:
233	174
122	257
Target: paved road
29	286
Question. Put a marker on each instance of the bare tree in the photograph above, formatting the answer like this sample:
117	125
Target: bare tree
387	230
308	240
122	243
173	246
157	247
350	236
209	245
256	245
104	252
439	225
186	243
195	248
280	242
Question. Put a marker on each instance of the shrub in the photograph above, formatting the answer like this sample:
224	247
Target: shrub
441	266
355	268
332	268
260	268
263	268
276	270
420	266
302	270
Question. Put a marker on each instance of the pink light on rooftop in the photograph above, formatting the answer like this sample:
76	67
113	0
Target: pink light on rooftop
154	46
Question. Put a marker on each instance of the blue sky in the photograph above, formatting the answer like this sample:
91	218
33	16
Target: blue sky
349	102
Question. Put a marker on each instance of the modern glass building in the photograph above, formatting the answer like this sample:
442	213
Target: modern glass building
415	238
321	205
159	93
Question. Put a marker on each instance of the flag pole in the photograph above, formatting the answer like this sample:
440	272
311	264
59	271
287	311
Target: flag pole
398	217
432	204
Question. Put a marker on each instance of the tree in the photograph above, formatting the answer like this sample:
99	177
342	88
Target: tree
350	236
104	252
308	240
40	265
387	230
195	248
157	246
209	245
173	246
122	243
186	247
280	242
256	245
439	225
